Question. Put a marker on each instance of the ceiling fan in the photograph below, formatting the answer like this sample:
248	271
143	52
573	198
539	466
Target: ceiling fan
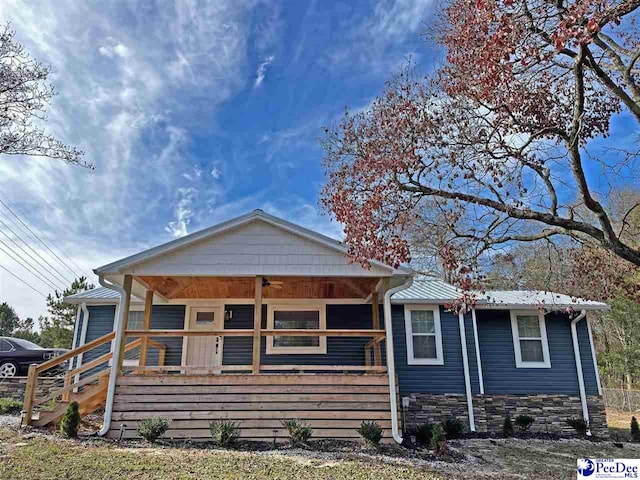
271	283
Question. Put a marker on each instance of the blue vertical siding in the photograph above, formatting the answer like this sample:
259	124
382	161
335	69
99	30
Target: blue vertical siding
167	317
437	379
100	323
101	320
340	350
498	358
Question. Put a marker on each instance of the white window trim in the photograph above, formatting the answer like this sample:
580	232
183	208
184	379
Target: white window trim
516	339
321	349
411	360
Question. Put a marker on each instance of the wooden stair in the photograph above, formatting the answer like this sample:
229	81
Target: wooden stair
90	399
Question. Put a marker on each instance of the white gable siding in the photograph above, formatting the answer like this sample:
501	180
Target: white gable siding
255	248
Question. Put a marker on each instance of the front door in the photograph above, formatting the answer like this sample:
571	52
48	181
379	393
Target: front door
205	351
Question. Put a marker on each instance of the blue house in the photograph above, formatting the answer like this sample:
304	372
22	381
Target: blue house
258	320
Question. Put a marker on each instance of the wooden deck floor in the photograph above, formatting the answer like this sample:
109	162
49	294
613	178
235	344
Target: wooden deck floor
333	405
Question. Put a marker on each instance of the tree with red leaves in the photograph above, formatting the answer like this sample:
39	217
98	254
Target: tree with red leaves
494	147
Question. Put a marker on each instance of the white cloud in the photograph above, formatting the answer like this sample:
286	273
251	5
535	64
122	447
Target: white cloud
215	173
262	71
183	212
109	51
128	116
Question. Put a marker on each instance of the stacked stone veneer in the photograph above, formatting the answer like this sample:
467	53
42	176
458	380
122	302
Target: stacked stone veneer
14	387
550	411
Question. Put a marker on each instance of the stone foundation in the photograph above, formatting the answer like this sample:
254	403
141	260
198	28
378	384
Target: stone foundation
550	411
14	387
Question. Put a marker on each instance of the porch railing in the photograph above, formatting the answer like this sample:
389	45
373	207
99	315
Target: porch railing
52	385
178	365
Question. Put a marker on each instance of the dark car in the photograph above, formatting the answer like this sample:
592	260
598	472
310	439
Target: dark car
17	354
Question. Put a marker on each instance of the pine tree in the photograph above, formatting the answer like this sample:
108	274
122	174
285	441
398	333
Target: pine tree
57	327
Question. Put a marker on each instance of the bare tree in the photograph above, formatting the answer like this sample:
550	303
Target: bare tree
24	98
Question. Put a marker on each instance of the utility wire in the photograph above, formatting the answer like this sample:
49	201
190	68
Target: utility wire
26	265
62	262
42	270
66	280
21	280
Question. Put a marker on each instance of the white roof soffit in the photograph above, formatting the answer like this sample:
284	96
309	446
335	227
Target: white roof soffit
122	265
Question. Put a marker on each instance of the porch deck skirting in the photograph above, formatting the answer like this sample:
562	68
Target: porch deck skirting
334	405
550	411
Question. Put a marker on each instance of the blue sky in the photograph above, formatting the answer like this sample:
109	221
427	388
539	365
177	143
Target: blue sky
193	113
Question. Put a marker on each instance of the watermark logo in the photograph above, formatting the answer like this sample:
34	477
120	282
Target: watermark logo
609	468
586	467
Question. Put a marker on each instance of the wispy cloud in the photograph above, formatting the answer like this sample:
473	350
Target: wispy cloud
183	212
262	71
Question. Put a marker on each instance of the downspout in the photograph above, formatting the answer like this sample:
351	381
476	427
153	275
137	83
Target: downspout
115	360
391	367
477	345
465	365
593	358
576	354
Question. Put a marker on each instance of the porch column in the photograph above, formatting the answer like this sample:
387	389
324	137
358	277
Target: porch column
257	325
144	345
375	311
125	305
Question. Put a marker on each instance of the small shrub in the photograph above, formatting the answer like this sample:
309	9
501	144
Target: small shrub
151	429
70	421
635	430
423	434
224	432
453	428
579	425
507	427
9	406
438	440
371	432
523	422
299	432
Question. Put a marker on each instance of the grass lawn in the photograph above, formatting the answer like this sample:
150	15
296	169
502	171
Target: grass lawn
39	457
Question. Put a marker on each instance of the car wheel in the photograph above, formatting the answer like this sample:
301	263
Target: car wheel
8	369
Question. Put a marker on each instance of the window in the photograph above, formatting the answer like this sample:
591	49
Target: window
5	346
530	339
281	317
424	337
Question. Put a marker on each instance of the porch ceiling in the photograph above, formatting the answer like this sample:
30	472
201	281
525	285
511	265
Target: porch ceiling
172	287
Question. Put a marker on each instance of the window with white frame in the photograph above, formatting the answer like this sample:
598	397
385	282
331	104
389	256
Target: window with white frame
294	317
424	336
530	339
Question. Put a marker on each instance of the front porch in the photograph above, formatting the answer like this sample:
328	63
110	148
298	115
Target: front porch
334	405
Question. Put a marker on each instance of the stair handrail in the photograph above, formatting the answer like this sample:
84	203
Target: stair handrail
35	370
43	367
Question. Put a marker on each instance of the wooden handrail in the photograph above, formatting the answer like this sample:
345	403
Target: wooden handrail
70	387
104	358
72	353
373	342
249	333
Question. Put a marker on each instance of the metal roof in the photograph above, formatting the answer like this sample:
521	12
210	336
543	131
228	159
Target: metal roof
427	290
98	295
536	298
